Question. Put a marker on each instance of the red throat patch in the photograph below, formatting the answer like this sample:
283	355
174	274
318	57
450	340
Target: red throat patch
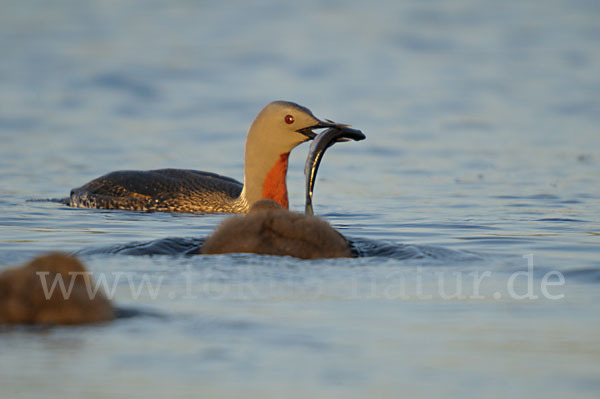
274	186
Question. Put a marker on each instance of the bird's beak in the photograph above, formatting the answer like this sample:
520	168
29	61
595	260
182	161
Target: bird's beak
308	131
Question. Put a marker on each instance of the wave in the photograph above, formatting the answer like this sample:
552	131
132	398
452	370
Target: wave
361	247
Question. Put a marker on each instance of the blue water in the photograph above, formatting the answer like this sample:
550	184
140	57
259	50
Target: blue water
483	146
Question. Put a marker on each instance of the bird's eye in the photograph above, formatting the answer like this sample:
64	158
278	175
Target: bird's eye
289	119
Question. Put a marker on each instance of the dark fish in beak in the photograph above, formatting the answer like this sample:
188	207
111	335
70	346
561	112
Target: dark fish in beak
320	144
309	130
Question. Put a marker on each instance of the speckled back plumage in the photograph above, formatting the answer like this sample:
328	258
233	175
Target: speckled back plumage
166	190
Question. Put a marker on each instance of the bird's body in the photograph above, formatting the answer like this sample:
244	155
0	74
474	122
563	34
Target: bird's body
28	294
277	129
269	229
162	190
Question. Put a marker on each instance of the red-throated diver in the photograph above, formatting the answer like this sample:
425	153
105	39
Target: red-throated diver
277	129
31	294
270	230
